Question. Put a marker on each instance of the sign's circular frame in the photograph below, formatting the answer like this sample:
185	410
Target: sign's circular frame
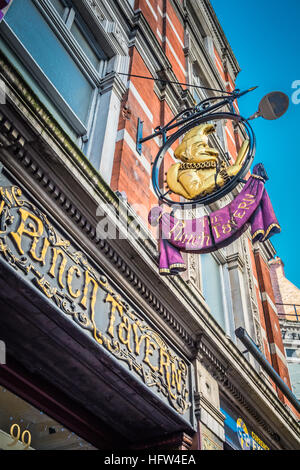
230	185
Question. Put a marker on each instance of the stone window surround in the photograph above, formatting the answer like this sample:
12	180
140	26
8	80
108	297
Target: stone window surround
108	87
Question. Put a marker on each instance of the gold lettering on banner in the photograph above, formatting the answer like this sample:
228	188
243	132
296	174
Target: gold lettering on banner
180	226
239	215
32	245
204	239
187	238
245	205
215	229
226	228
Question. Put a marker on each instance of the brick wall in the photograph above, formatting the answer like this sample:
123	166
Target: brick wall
274	337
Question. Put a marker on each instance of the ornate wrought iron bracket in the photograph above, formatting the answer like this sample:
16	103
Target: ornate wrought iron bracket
205	108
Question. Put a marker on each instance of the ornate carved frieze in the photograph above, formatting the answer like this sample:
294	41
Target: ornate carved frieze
109	25
36	249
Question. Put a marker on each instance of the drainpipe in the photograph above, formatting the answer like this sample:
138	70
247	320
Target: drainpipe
198	418
253	349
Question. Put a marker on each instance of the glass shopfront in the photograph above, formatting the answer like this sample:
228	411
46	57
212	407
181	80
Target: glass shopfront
24	427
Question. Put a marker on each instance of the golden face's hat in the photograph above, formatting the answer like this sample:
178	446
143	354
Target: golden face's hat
197	134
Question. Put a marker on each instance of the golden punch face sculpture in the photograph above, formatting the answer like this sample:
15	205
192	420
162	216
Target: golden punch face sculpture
201	171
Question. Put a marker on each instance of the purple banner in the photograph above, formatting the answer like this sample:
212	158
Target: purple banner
219	229
4	6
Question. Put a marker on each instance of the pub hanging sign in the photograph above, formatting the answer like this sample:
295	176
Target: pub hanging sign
201	177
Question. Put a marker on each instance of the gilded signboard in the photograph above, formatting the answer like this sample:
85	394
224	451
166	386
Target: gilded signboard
33	246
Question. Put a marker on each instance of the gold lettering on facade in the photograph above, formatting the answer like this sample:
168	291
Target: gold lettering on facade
126	336
16	193
73	270
137	340
125	326
164	363
176	377
89	280
114	305
150	347
33	229
62	266
164	369
258	444
44	250
5	196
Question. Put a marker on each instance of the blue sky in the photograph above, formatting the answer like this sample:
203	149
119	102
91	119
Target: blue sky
265	38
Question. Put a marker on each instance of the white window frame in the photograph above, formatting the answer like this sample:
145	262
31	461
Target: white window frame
226	298
63	33
220	258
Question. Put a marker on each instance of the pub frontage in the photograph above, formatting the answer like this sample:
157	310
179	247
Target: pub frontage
99	350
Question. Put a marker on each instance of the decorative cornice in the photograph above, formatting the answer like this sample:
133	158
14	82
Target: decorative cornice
109	27
265	249
196	51
202	401
235	261
222	42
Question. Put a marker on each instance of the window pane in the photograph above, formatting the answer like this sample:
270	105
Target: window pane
294	370
51	56
42	432
82	41
59	6
212	287
292	353
35	86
